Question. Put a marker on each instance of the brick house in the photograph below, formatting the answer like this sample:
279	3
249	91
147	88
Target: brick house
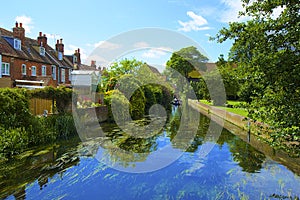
32	63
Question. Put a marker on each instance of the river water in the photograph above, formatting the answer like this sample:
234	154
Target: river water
72	169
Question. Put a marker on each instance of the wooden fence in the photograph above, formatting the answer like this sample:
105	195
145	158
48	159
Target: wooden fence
38	105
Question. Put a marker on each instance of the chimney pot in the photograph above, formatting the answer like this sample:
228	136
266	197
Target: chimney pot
21	25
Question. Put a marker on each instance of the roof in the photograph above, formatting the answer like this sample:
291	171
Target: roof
30	50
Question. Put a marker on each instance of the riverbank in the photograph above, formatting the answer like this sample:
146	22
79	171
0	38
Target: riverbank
239	125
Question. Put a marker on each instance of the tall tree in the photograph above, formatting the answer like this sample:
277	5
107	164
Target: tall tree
186	60
266	49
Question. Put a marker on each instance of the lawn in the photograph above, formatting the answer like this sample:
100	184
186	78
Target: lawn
235	109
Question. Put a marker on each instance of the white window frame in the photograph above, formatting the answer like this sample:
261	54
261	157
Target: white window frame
53	68
33	69
63	75
5	68
23	69
70	74
42	51
60	55
44	70
17	44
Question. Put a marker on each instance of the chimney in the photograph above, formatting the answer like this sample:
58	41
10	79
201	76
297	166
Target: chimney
19	32
77	54
93	64
42	40
59	46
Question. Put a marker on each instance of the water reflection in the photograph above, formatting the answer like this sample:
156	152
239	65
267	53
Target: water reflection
37	164
231	170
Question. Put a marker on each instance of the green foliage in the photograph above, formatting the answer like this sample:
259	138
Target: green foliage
124	66
200	89
266	49
186	60
19	129
61	95
40	130
110	77
120	102
157	94
14	108
12	141
230	79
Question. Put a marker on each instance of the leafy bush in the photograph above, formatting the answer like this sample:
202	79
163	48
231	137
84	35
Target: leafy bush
14	108
120	101
12	141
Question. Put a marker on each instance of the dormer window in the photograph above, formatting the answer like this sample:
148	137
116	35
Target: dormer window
17	44
74	59
60	55
42	51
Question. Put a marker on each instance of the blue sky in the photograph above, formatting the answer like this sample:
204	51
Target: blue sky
86	24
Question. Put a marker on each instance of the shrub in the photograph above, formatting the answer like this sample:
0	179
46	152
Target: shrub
14	108
12	141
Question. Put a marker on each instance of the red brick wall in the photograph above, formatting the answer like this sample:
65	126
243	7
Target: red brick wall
16	70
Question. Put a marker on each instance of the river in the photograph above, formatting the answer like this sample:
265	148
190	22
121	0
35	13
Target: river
103	168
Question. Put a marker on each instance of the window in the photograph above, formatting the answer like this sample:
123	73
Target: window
17	44
70	74
33	71
24	69
5	69
63	78
74	59
54	72
42	51
44	73
60	56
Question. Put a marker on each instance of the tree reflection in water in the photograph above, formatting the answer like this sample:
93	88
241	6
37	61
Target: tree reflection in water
248	158
125	150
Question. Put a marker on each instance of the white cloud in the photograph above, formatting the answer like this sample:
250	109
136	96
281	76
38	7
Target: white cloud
53	36
196	24
157	52
70	50
153	53
207	35
231	10
104	45
27	22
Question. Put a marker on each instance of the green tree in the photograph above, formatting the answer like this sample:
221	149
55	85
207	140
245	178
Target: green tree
186	60
230	78
124	66
266	49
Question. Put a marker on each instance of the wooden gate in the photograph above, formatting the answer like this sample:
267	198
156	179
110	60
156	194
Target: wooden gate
38	105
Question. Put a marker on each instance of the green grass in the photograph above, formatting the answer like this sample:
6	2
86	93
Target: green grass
237	110
206	102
